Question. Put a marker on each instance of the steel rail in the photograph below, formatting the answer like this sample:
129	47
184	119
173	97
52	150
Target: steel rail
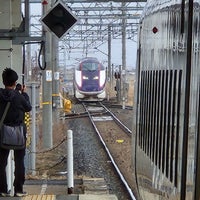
116	119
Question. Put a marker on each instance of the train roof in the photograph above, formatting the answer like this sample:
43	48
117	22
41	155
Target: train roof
90	63
157	5
89	59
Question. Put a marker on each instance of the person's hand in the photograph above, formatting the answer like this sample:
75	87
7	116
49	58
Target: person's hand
23	88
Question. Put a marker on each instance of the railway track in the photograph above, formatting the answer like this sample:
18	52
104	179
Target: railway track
116	139
91	161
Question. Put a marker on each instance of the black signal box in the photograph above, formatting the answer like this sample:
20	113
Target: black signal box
59	19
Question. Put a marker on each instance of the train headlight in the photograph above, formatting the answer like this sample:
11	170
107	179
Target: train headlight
102	78
96	78
85	78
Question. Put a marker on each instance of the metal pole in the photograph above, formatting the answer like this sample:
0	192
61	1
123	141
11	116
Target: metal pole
33	141
70	164
112	75
187	105
56	86
120	83
109	53
10	165
123	55
28	68
47	91
55	95
109	63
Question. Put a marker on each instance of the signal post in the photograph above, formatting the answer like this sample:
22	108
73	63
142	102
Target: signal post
47	87
57	20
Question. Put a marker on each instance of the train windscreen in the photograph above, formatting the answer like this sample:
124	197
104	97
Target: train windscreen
91	66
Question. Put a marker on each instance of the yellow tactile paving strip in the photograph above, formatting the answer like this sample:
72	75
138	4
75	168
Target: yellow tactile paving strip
39	197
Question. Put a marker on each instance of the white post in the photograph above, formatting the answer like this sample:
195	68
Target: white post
123	103
70	165
10	172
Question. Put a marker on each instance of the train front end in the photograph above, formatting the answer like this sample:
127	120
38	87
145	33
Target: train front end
90	80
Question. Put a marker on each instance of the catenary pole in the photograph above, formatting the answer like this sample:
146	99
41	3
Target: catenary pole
109	62
33	141
55	86
55	95
123	55
47	89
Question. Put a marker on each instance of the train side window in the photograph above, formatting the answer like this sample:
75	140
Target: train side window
179	80
168	132
141	110
145	133
148	112
158	117
173	134
154	116
164	121
162	74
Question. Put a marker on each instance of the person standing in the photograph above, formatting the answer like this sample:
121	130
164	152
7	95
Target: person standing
19	104
18	87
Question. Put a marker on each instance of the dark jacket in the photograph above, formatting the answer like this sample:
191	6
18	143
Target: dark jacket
19	105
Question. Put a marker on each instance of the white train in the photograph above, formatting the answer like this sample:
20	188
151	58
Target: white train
90	80
166	139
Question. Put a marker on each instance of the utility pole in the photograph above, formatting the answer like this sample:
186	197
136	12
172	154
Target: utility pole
59	20
109	62
47	89
56	76
109	52
55	95
123	75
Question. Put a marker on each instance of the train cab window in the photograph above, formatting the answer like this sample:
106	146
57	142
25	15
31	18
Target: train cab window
91	66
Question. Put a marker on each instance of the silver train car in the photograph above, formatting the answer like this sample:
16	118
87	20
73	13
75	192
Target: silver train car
90	80
166	139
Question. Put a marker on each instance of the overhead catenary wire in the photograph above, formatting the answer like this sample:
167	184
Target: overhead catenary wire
42	67
51	149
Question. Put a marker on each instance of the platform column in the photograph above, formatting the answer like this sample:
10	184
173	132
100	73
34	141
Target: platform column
10	56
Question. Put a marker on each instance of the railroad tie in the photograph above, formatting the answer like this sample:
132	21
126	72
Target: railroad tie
95	186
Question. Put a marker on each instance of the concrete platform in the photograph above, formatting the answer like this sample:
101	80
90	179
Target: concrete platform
97	197
85	189
65	197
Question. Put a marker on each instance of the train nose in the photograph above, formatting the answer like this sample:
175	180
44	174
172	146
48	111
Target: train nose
90	88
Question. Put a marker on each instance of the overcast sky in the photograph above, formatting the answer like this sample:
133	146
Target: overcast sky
116	51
